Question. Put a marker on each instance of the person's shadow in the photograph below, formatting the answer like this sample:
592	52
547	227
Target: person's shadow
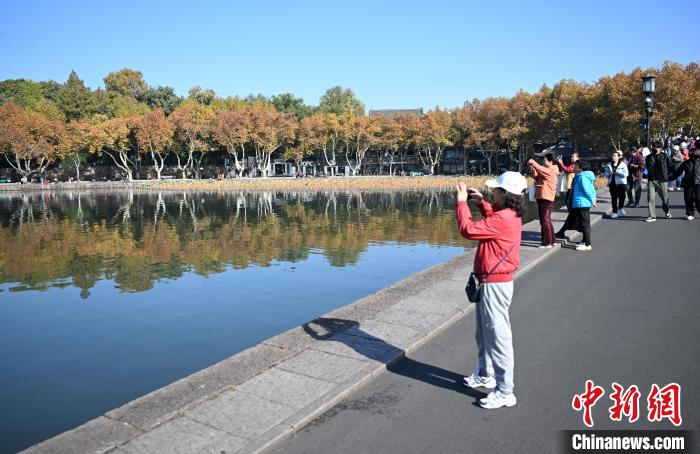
349	332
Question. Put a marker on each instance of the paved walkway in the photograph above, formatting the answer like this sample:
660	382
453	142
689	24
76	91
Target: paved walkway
258	397
626	312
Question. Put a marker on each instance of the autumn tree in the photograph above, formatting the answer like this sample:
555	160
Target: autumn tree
192	122
311	134
676	87
296	153
112	136
410	127
232	129
27	139
154	134
388	133
512	132
462	126
324	133
360	133
616	107
334	129
75	143
269	130
488	118
433	136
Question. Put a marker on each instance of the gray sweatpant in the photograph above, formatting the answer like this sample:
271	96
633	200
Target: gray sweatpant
493	335
661	188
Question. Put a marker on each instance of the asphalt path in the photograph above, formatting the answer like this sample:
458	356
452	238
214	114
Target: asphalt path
626	312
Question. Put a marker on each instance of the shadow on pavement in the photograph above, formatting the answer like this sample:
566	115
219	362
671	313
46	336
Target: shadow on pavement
349	333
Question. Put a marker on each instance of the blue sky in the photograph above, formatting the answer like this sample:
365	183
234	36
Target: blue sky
393	54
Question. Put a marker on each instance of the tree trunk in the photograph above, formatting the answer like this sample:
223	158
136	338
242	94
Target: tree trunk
76	162
124	164
158	163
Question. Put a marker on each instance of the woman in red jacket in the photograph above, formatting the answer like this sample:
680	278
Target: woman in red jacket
497	258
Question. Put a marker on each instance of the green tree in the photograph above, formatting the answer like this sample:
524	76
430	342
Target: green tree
25	93
202	96
288	103
162	98
51	89
341	101
75	99
126	82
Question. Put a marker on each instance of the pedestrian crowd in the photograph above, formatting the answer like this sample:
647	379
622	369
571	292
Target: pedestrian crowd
673	168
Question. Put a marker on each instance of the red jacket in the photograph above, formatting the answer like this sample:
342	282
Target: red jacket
497	233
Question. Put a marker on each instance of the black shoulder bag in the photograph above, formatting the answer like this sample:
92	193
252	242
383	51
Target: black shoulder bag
475	286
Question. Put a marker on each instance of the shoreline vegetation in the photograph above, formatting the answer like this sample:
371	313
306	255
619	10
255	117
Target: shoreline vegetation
364	183
267	184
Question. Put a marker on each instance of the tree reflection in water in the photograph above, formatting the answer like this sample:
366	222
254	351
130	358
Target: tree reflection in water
139	238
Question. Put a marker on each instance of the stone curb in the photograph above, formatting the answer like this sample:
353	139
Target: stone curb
364	338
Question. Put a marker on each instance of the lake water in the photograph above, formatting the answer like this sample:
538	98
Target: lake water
106	296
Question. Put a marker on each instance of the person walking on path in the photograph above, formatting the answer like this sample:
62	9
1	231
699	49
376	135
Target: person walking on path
497	258
627	159
583	198
690	170
636	171
658	166
570	172
545	176
674	184
616	172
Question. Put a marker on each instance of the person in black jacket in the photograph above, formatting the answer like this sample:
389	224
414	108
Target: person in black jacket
658	166
690	183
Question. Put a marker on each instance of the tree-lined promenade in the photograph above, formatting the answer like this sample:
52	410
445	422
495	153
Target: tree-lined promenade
136	127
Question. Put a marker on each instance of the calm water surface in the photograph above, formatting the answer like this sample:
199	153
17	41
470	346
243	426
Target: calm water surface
105	297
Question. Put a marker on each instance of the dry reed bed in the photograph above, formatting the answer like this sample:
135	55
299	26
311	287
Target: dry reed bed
313	184
331	183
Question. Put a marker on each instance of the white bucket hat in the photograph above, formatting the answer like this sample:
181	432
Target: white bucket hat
512	182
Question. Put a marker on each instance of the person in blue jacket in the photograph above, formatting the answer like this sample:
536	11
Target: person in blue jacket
583	198
616	172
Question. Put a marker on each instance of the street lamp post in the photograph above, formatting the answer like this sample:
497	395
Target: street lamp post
648	88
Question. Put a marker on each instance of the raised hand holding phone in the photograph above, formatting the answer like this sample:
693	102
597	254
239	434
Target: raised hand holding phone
475	195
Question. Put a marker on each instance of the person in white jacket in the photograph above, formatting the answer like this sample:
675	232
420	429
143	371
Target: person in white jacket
616	172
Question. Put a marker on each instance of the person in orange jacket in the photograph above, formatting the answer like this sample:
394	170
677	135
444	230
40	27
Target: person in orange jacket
545	176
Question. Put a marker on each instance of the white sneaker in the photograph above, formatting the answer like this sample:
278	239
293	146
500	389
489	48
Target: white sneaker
497	400
614	215
544	246
584	247
668	215
477	381
650	220
690	218
622	212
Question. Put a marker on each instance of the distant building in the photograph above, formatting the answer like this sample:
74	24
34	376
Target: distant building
389	113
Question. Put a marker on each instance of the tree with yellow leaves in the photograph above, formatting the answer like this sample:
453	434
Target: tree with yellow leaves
154	134
433	136
231	129
269	130
192	121
27	139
